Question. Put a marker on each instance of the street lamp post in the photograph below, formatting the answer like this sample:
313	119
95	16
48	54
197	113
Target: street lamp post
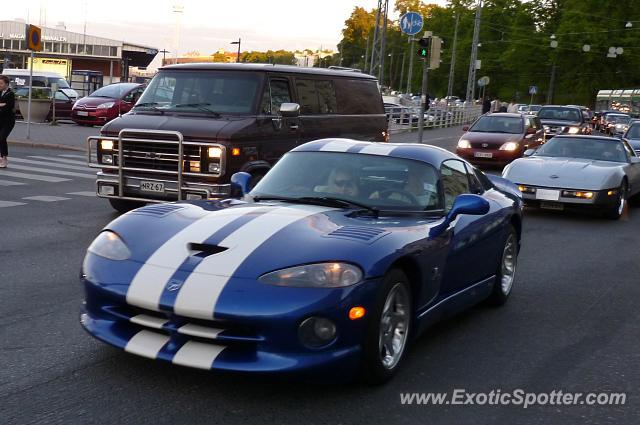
238	43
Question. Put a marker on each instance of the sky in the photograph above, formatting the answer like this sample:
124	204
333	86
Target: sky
205	25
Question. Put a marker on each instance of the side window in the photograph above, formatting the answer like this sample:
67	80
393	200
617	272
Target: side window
475	186
129	96
358	97
326	97
308	97
454	181
276	92
61	96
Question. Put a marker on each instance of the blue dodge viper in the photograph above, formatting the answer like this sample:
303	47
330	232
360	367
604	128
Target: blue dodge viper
341	255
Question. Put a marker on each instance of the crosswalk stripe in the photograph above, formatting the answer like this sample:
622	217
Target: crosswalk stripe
62	160
59	172
45	198
10	183
27	176
4	204
50	164
73	156
85	193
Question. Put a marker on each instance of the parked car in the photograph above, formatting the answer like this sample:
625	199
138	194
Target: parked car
64	104
344	252
563	120
106	103
499	138
19	78
578	172
197	124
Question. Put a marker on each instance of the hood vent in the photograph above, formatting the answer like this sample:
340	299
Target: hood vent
357	233
159	210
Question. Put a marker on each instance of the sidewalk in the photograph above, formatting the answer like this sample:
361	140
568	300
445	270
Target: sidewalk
74	137
65	135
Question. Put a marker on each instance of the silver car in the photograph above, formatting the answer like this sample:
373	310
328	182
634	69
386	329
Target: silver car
578	171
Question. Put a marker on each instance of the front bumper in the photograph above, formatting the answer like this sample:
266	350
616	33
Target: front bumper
257	336
498	157
602	199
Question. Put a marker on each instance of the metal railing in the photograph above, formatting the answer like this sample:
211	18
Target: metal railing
406	118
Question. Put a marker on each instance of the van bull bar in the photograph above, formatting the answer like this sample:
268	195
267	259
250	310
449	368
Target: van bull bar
156	166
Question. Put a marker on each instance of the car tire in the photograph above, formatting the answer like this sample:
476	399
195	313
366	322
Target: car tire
389	327
123	205
506	272
615	212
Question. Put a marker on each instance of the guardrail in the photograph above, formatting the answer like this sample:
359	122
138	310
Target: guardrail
406	118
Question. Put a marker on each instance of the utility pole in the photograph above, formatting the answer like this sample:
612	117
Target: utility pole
402	72
453	57
552	82
366	55
379	37
425	42
471	80
411	49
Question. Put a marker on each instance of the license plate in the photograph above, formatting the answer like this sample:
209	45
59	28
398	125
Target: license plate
552	206
155	187
483	154
547	195
83	113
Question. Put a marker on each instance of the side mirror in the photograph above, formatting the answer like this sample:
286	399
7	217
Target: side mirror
531	130
290	110
465	128
464	204
240	184
529	152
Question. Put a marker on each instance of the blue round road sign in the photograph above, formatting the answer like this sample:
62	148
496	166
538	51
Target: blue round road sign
411	23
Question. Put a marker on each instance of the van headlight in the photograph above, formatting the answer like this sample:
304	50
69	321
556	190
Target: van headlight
320	275
109	245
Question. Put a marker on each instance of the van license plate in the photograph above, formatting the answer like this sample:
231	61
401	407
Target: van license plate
154	187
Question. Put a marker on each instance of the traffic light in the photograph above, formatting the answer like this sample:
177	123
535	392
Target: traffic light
423	51
434	57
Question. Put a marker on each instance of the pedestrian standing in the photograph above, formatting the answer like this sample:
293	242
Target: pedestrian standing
486	105
7	118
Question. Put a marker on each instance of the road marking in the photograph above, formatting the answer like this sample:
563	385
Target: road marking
10	183
4	204
51	164
49	179
91	194
59	172
62	160
73	156
44	198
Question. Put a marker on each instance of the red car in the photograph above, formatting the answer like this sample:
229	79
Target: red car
497	139
106	103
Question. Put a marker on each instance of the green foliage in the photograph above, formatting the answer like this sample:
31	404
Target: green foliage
281	57
515	47
37	93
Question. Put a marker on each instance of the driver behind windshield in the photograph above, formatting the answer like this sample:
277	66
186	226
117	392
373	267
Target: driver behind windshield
342	181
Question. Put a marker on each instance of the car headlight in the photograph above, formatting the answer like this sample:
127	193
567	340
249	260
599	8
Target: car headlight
320	275
109	245
105	105
464	144
509	146
573	130
106	145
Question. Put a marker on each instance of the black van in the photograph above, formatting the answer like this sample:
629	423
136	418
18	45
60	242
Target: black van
197	124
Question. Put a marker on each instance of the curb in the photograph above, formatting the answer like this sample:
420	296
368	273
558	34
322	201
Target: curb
45	145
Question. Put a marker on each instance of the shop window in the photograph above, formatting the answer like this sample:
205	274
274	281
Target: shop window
114	51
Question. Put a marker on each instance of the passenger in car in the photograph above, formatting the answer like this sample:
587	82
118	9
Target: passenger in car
342	181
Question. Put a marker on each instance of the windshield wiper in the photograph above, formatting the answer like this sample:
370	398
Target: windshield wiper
320	200
148	104
202	106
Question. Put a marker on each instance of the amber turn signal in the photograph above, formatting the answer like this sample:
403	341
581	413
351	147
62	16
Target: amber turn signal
356	313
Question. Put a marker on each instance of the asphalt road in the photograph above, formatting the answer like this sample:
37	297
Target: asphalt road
571	324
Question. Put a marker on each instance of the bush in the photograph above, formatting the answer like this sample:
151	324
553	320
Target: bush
37	93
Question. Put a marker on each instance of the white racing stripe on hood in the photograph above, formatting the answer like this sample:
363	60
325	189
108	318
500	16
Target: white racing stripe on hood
197	354
199	293
146	344
147	285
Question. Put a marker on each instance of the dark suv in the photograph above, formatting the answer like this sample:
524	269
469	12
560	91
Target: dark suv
563	120
197	124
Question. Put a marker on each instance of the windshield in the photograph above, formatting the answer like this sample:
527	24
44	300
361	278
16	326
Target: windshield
620	119
634	132
114	91
379	182
584	148
561	114
203	91
497	124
